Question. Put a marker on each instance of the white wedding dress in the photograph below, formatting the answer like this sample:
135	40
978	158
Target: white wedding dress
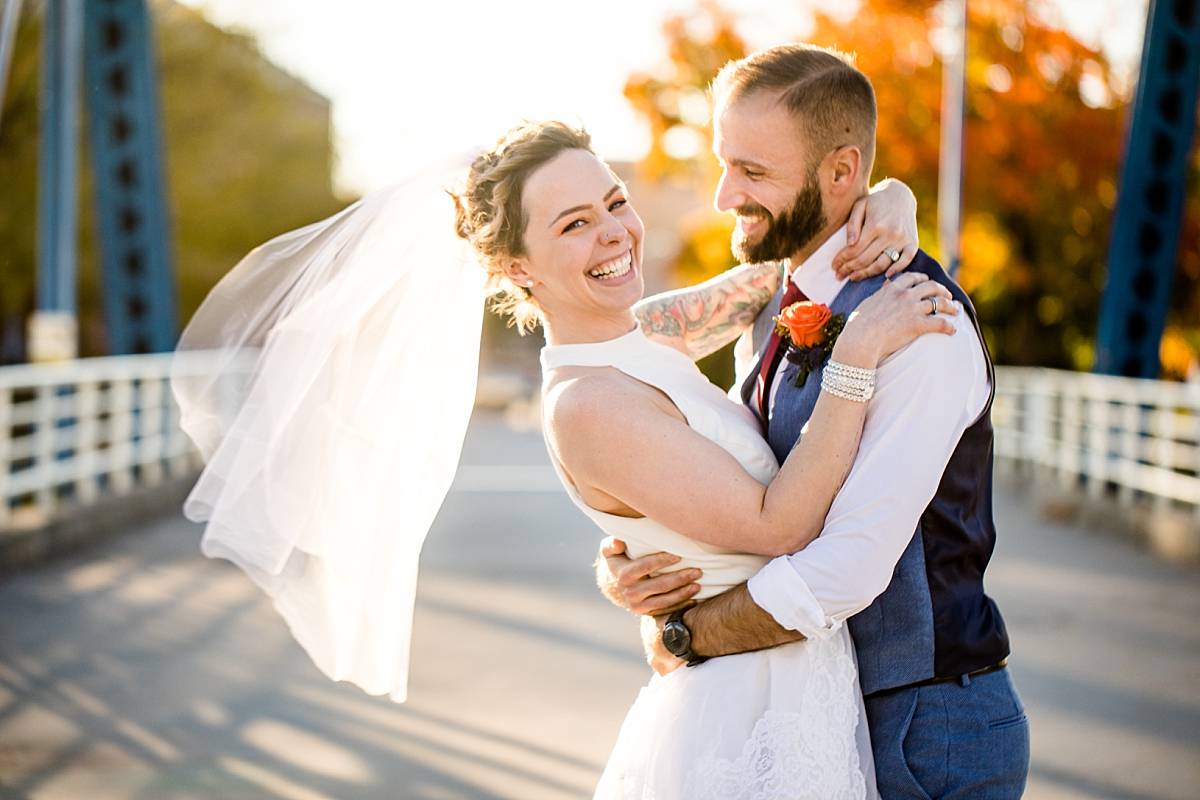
785	723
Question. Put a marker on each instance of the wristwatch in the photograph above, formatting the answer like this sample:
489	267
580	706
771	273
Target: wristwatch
678	639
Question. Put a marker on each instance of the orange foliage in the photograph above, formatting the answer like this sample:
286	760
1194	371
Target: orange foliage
674	100
1041	164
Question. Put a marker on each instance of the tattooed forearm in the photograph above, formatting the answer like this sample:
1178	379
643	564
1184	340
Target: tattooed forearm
707	317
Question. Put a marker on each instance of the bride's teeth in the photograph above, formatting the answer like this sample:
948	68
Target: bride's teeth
613	268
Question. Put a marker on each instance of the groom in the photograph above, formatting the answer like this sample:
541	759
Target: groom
905	544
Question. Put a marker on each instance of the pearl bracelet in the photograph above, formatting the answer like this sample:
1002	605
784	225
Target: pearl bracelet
849	383
847	371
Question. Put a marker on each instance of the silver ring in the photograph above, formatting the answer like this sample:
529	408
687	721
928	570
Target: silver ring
892	253
932	305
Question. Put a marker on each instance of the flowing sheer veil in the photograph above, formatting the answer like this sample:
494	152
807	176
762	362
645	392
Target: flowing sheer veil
327	380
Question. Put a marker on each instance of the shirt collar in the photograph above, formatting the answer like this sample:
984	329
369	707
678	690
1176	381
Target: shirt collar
815	276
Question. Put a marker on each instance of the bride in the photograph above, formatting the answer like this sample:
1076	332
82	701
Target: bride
326	382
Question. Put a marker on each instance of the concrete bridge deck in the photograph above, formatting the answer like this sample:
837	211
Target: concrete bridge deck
138	670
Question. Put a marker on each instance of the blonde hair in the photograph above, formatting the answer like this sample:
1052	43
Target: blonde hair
490	214
832	102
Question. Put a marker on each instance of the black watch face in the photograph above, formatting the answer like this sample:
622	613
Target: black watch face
676	638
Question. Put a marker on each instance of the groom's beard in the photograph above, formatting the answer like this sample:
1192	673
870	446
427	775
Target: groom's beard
788	233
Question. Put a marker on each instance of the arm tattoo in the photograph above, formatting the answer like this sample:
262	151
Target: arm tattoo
707	317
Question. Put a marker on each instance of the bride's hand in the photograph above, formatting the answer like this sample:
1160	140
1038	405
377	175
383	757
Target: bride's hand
643	586
882	221
900	311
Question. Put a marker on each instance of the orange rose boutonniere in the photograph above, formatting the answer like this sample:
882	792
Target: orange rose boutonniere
803	323
810	330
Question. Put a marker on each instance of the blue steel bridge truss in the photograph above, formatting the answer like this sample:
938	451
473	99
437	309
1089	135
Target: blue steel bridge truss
108	45
1145	244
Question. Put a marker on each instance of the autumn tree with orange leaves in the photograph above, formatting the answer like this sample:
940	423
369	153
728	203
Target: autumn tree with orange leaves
1042	145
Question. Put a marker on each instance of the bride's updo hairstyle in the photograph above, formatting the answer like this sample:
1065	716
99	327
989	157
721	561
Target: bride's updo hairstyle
489	211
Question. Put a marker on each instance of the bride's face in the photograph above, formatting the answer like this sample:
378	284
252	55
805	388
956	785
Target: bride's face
583	240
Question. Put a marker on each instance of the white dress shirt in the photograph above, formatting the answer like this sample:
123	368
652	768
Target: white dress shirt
926	395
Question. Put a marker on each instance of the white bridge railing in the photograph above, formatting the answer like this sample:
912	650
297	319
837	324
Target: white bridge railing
73	432
1135	438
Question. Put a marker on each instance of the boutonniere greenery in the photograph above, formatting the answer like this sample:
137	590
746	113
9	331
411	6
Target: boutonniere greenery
810	330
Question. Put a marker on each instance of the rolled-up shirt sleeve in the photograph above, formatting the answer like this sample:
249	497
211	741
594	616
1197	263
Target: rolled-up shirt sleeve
927	394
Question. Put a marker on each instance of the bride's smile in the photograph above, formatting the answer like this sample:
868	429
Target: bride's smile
614	272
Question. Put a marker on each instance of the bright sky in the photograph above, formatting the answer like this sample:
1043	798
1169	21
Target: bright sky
433	77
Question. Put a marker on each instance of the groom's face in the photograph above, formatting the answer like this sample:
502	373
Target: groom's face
769	181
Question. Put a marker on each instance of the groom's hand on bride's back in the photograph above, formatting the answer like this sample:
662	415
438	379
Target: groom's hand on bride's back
643	585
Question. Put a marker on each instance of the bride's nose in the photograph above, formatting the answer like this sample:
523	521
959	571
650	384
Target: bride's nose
613	232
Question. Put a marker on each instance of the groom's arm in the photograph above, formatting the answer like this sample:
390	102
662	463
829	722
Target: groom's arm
732	622
702	319
927	395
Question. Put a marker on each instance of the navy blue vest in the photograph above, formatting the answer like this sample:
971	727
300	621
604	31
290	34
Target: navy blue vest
933	620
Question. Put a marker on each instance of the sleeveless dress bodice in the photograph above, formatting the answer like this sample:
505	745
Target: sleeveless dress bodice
710	413
785	723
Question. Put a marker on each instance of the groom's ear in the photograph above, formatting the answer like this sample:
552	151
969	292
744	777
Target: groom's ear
846	164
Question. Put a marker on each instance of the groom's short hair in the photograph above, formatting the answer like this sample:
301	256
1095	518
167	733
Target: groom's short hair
832	101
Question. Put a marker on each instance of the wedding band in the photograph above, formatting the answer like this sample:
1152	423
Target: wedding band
932	305
892	253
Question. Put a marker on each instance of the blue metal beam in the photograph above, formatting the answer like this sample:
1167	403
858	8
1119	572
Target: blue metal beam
139	287
58	161
1145	243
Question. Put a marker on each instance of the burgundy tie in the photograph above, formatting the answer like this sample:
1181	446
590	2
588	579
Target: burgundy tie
774	353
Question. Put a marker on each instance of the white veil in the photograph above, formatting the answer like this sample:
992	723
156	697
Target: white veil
328	380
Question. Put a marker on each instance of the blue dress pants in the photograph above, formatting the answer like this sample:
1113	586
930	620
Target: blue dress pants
959	740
